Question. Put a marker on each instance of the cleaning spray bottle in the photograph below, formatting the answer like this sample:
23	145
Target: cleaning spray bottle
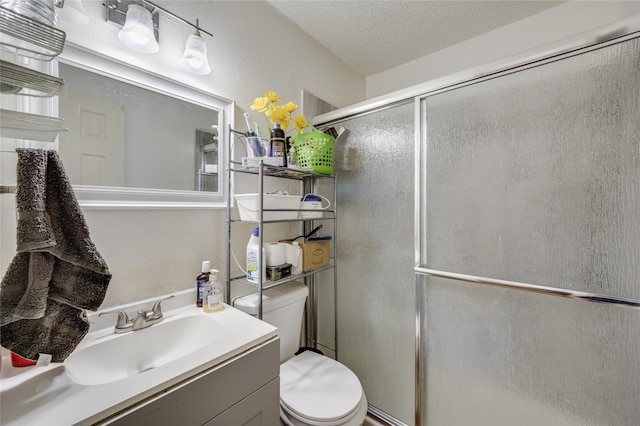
254	263
213	299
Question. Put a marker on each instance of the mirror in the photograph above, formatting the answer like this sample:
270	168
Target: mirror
139	139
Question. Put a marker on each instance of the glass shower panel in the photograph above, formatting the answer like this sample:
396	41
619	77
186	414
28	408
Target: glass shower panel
374	166
533	176
503	357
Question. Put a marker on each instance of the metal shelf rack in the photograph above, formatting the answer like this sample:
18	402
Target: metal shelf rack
309	183
27	39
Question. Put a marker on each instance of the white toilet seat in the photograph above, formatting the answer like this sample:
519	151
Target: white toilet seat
317	390
355	419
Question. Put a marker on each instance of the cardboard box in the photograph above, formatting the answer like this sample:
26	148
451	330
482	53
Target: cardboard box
315	255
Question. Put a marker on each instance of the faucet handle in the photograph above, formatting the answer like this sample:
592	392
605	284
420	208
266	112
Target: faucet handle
157	310
122	321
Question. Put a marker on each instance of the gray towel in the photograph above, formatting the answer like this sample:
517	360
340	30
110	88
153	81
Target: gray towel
57	272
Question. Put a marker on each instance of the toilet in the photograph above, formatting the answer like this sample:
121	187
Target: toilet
314	389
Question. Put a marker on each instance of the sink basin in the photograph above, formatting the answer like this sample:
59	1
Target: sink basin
118	357
110	374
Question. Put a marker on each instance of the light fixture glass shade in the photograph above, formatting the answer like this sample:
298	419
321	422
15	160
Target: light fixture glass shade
137	32
194	58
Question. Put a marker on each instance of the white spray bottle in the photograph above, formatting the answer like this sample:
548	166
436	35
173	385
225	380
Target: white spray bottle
254	264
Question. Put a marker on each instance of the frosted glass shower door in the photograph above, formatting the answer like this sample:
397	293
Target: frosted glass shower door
533	176
376	286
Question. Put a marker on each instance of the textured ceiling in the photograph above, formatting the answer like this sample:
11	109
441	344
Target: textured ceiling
371	36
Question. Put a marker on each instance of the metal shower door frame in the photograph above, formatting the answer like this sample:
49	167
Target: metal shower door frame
617	33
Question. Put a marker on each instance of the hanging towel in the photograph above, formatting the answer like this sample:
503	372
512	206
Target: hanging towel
57	272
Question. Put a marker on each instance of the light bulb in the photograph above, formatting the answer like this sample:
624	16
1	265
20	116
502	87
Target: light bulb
139	38
195	62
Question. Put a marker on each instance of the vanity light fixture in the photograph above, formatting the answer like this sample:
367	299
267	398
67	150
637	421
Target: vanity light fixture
137	32
140	24
194	58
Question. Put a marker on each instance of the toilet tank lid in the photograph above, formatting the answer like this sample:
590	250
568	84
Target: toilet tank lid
273	298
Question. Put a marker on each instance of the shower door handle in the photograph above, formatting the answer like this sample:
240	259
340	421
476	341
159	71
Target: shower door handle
532	288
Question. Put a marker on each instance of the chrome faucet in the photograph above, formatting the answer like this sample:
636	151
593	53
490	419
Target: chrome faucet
142	320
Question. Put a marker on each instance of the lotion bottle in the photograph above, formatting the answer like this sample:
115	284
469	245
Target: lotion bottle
213	300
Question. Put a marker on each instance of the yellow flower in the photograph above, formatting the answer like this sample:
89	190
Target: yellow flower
279	113
273	97
260	104
284	124
290	107
300	122
269	111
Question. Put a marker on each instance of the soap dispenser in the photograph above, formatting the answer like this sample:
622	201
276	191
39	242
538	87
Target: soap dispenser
213	299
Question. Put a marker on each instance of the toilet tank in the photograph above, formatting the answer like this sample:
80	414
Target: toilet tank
282	307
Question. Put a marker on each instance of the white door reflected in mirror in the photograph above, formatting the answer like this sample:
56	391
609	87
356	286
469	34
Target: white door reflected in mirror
93	148
137	138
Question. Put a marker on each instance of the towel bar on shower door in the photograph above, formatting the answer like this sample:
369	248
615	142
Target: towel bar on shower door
532	288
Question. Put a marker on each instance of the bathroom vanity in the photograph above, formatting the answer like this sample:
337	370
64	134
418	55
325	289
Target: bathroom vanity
224	369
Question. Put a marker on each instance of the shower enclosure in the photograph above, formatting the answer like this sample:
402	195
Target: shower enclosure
533	177
524	237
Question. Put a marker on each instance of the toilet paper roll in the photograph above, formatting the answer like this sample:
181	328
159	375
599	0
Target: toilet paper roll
276	253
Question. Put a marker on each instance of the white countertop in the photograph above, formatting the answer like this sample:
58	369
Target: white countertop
48	396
